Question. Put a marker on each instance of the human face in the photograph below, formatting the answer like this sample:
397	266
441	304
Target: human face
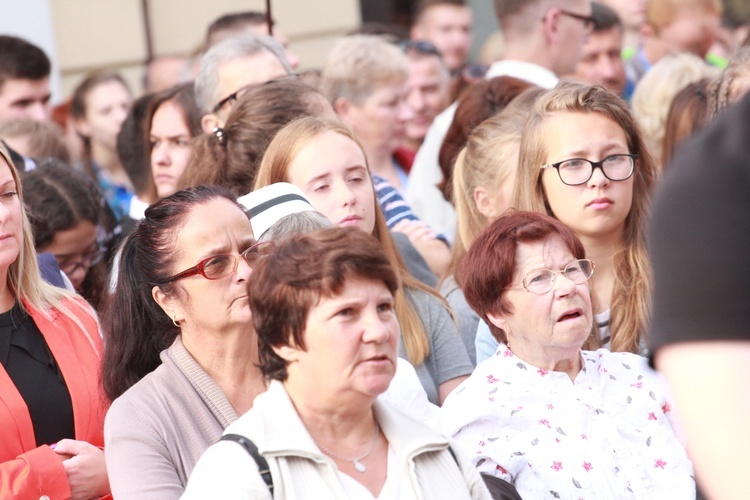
598	208
571	33
351	342
237	73
601	62
380	121
75	249
331	170
23	98
202	305
448	27
558	321
428	94
693	31
631	12
11	230
107	105
170	147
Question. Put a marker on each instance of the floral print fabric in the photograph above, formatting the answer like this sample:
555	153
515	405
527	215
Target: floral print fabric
608	434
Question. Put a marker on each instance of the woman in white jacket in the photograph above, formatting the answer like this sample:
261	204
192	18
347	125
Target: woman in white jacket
323	309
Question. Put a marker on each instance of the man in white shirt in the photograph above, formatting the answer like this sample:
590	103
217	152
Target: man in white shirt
543	40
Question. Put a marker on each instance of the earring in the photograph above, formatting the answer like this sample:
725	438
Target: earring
176	323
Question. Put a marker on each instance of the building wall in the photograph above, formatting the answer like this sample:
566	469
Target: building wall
110	34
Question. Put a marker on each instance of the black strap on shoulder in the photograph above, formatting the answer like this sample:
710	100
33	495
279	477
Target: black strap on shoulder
263	469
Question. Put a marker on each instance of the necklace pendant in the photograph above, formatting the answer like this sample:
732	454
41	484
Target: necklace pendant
359	466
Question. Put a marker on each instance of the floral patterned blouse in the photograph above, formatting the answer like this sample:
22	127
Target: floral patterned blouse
608	434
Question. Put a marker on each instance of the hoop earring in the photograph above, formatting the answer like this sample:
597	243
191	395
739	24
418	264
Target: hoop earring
176	323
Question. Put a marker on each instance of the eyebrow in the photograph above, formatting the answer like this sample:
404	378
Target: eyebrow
579	153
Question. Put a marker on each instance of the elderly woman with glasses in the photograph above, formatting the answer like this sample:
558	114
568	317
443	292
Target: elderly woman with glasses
583	161
324	312
180	352
554	420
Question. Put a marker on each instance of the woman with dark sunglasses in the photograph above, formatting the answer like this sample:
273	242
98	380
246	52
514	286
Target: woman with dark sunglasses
180	357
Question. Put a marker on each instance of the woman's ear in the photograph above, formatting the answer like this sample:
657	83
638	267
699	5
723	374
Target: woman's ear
82	127
500	320
286	352
484	202
167	303
342	106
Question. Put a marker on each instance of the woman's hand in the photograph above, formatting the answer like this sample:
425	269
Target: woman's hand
416	230
84	464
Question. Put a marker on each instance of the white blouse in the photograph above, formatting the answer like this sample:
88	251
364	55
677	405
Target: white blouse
608	434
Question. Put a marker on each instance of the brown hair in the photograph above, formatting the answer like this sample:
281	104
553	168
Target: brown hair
687	114
490	264
478	102
631	297
78	108
233	160
183	96
280	153
302	270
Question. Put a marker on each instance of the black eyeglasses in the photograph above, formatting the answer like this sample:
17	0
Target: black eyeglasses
420	47
577	171
541	281
219	266
232	98
236	96
588	21
70	263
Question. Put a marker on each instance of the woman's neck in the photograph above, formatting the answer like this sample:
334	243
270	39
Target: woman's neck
108	160
231	361
381	163
602	250
331	420
560	359
7	299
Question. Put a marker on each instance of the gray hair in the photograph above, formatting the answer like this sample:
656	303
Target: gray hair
296	224
207	81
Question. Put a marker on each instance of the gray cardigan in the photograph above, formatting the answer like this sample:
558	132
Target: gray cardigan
156	431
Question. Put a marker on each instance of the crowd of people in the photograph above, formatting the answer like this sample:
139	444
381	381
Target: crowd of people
404	274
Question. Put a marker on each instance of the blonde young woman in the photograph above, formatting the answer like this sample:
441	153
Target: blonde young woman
324	159
51	410
483	181
583	161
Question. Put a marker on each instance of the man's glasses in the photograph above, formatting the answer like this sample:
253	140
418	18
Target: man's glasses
588	21
221	265
420	47
541	281
232	98
577	171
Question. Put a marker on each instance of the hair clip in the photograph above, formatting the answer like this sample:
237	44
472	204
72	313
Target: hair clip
219	133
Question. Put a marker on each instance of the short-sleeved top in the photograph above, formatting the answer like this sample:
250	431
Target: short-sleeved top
700	236
448	358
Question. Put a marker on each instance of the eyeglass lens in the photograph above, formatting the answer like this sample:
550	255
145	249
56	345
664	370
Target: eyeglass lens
541	280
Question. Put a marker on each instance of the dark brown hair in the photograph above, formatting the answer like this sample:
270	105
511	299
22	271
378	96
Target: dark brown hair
478	102
687	114
303	269
21	59
233	160
489	266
